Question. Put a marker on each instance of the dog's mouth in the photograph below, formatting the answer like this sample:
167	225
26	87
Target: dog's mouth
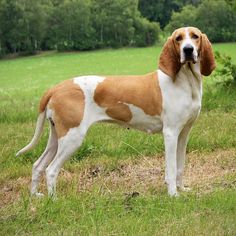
188	54
189	58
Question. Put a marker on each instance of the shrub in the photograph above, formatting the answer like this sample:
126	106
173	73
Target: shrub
215	18
226	70
146	33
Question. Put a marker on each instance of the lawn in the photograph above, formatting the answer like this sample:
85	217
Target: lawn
114	184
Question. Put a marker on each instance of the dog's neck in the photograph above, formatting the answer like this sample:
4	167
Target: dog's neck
191	72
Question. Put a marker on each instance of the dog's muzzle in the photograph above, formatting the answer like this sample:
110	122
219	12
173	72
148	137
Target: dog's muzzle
188	53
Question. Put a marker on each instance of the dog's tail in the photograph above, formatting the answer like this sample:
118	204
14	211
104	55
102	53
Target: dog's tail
37	134
39	124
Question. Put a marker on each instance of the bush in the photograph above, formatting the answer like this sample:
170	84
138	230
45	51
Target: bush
226	70
146	33
218	20
187	17
215	18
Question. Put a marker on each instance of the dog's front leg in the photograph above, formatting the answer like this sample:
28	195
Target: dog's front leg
181	153
171	139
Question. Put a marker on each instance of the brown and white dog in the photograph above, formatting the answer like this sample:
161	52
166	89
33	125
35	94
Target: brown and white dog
167	100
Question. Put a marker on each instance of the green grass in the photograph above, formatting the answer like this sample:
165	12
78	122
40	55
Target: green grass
91	214
102	208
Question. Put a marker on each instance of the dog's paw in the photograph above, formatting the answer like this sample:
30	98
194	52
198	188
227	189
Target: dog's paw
173	192
37	194
184	189
176	194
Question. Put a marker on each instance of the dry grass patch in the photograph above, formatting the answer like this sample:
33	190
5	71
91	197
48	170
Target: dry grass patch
10	190
146	174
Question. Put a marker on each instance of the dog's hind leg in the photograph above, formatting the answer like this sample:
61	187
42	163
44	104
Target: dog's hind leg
43	161
67	145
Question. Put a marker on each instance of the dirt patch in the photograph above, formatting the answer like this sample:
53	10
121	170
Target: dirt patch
144	175
10	190
202	171
206	171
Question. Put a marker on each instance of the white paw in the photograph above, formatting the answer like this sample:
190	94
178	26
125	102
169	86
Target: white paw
184	189
37	194
173	192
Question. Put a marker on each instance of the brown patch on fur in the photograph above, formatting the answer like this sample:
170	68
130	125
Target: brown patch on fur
169	61
67	103
44	100
141	91
120	111
207	57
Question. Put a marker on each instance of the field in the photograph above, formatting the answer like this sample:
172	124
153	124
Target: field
114	185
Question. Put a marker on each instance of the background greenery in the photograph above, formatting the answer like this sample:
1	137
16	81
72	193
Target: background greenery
28	26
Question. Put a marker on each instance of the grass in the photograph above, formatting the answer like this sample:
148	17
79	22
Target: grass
114	185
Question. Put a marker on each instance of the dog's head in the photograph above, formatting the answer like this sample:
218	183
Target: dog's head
187	44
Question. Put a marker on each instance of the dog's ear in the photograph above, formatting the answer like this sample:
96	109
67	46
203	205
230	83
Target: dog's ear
169	61
207	60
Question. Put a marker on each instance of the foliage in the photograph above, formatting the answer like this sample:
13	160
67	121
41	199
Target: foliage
145	33
227	68
215	18
187	16
22	26
160	11
72	25
114	21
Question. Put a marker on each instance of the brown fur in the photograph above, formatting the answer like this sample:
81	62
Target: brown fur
207	57
141	91
120	112
44	100
169	61
67	103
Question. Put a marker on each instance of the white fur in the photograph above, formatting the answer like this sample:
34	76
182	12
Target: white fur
181	106
188	41
144	122
37	134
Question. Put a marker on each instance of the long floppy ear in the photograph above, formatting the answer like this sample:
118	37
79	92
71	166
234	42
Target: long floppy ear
169	61
207	57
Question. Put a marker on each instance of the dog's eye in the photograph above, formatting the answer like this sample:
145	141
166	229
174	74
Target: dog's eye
194	36
179	38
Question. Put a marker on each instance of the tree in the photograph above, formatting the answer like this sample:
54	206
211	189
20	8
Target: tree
187	17
70	26
27	26
22	25
10	13
215	18
114	21
218	20
161	10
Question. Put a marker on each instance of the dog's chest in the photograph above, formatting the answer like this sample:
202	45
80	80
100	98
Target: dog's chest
182	98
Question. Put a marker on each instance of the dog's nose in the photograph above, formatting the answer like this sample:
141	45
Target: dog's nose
188	49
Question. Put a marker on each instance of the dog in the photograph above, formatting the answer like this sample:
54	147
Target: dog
167	100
